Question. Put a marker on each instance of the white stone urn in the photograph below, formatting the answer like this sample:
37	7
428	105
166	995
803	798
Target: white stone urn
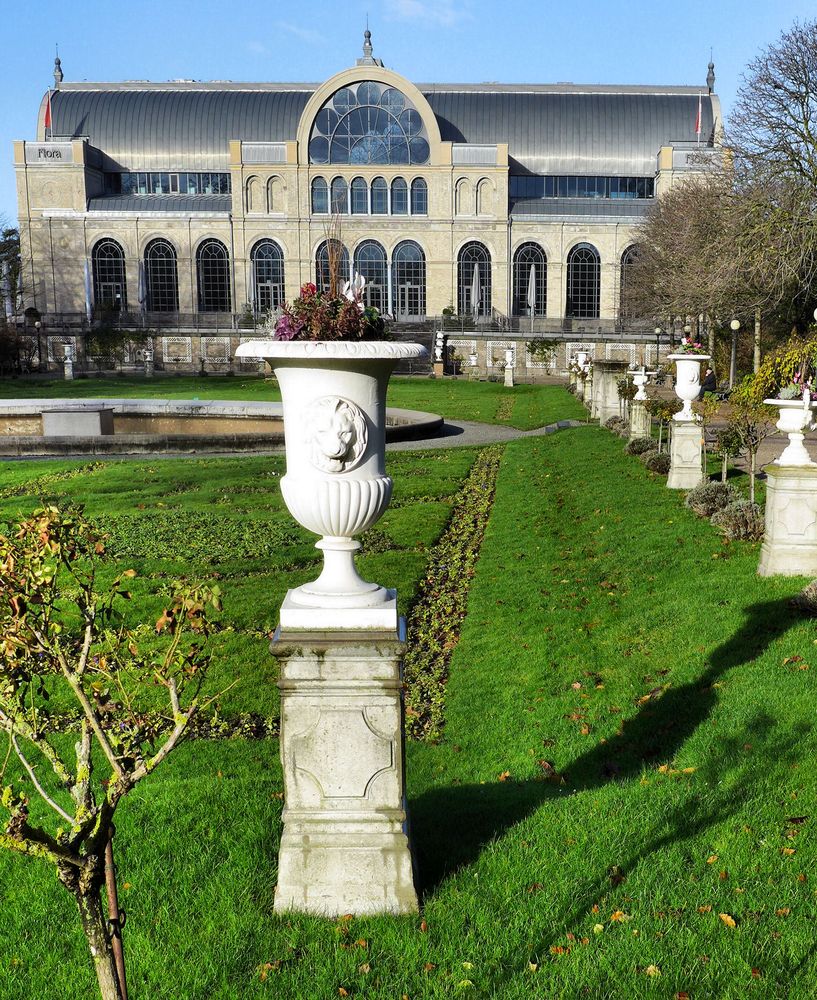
640	377
794	420
472	360
334	402
687	381
581	358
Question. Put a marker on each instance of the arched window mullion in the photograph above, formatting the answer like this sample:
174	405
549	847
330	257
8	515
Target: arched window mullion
267	262
409	281
110	285
161	276
526	256
472	256
583	282
213	272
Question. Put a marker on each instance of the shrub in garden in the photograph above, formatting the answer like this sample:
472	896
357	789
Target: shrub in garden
614	424
709	497
656	461
741	520
639	445
806	600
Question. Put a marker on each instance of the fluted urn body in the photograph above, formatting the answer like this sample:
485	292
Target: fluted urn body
334	402
687	381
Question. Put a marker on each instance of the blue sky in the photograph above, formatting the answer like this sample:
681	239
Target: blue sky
512	41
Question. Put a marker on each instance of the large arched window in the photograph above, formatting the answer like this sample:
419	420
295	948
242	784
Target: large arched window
419	197
370	261
213	267
583	282
340	196
110	288
161	275
399	197
368	123
474	280
267	262
408	264
320	196
380	196
360	197
331	258
529	256
628	258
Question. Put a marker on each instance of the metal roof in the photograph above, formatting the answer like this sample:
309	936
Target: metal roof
600	208
187	203
560	129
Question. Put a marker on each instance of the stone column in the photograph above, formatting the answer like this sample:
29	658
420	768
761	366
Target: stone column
344	847
685	470
790	542
68	362
605	391
640	422
588	389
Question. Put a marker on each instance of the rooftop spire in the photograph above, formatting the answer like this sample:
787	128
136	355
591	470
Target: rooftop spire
368	59
57	70
710	76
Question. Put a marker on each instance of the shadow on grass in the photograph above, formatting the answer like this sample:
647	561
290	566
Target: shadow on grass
451	825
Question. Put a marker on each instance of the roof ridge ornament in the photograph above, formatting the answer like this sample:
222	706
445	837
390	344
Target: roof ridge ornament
368	59
58	74
710	76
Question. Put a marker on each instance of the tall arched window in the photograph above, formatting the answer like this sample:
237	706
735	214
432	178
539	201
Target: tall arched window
485	201
331	258
320	196
408	264
254	199
583	282
360	197
161	276
628	258
419	197
527	256
464	197
340	196
110	288
275	195
380	196
474	280
399	197
213	267
267	262
370	261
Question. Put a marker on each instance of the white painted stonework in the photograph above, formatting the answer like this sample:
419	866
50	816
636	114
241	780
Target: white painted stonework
687	381
790	542
640	424
794	419
344	847
685	456
606	402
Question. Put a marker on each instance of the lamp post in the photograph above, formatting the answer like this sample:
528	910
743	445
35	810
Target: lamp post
733	358
38	326
658	331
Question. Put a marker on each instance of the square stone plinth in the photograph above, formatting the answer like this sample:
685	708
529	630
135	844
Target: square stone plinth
605	399
640	423
685	470
344	847
790	542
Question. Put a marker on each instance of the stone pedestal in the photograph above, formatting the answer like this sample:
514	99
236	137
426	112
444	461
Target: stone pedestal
640	423
790	543
588	390
438	369
344	847
68	370
685	456
508	377
606	402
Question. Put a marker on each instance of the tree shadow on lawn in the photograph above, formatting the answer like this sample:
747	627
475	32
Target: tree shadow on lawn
451	825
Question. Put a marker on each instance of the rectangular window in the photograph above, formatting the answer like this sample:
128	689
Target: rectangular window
193	184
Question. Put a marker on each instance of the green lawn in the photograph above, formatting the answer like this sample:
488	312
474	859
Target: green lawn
627	756
525	407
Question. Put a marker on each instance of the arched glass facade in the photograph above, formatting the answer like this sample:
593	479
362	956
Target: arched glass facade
213	270
360	196
527	256
399	197
409	280
583	282
370	261
110	288
267	261
474	280
340	196
380	196
368	123
161	275
419	197
331	256
628	258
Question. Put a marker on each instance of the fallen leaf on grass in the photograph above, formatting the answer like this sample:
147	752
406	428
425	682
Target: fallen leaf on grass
757	974
532	966
728	919
788	851
423	926
429	967
704	909
683	995
619	916
712	859
653	970
504	776
784	911
342	992
364	968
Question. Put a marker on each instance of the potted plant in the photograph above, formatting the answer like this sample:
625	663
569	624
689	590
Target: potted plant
688	358
786	380
333	365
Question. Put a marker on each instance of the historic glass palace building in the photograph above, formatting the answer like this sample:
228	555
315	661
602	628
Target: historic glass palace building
192	208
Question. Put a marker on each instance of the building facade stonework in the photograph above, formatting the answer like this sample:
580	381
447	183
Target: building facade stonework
196	208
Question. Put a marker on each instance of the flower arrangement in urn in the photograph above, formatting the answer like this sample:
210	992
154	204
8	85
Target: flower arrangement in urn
689	345
790	372
316	315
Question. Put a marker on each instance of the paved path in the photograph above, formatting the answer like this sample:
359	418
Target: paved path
462	433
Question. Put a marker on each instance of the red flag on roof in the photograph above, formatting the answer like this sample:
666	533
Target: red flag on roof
48	112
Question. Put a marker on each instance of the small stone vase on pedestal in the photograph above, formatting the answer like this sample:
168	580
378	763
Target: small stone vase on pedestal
344	847
685	446
790	540
509	369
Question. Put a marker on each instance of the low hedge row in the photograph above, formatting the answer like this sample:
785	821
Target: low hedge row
435	620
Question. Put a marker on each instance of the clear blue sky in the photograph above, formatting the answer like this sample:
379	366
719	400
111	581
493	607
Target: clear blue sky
512	41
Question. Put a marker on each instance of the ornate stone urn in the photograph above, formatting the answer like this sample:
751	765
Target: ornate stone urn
640	376
334	402
794	420
688	381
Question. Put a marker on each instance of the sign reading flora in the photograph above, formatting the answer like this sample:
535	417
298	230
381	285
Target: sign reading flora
49	152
